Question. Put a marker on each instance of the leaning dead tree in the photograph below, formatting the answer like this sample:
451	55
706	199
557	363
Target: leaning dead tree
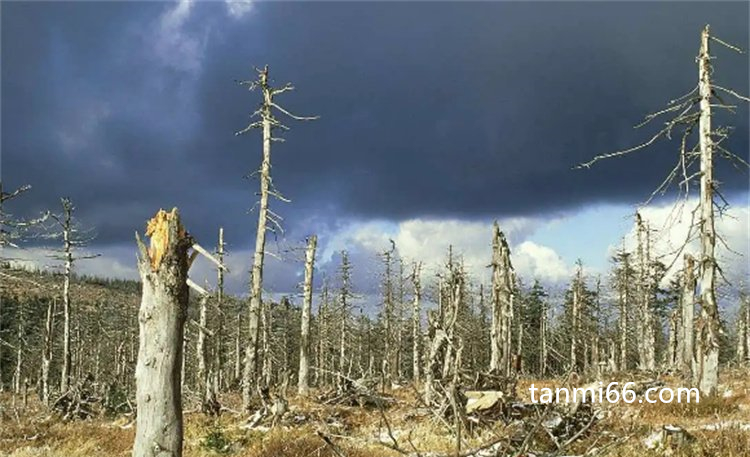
502	303
163	269
694	114
303	379
267	219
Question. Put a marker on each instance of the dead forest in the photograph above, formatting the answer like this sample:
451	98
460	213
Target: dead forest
440	366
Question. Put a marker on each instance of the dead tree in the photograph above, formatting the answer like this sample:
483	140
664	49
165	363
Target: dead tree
73	238
575	318
49	328
622	281
502	303
389	358
416	313
163	269
304	345
694	113
645	320
219	338
686	340
345	296
267	219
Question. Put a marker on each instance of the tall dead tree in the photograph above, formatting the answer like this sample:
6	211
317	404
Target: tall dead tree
694	114
304	345
219	338
502	303
389	325
575	318
416	316
73	238
267	219
344	298
163	269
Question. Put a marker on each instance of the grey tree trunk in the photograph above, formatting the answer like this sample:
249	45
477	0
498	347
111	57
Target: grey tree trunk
543	340
219	337
686	343
708	327
163	270
201	348
415	320
49	329
623	284
502	303
256	276
575	321
303	378
68	256
267	123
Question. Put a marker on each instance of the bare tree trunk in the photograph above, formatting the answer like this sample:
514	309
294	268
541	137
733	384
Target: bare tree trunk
238	349
219	337
201	348
672	347
708	327
20	343
650	295
575	331
415	320
741	329
68	255
686	344
266	328
502	303
303	387
163	270
543	340
624	308
49	329
256	279
268	122
644	323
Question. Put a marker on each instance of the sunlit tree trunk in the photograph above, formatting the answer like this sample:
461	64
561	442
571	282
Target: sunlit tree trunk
163	270
304	346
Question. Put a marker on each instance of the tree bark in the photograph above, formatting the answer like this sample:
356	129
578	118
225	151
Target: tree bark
303	387
415	320
686	344
256	277
502	303
163	270
708	327
49	329
68	256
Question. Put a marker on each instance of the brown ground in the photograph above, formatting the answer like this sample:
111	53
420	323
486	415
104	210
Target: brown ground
356	431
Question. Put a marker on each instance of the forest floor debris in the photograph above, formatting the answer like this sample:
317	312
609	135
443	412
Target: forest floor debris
559	430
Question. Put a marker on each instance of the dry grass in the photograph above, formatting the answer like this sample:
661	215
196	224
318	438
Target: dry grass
357	431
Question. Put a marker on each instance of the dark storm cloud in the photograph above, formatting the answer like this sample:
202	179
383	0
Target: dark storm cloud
465	110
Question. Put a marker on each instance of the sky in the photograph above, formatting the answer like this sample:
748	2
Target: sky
435	120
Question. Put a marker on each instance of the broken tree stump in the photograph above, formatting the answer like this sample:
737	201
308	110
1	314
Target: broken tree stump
163	269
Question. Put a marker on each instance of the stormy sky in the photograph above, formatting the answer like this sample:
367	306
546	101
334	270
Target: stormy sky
435	119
